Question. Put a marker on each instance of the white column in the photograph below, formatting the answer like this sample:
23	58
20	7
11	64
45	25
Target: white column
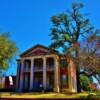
31	74
21	76
44	72
57	76
72	75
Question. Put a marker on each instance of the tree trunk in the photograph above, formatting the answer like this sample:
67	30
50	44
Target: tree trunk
78	81
77	75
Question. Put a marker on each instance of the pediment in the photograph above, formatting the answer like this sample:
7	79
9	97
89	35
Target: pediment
36	50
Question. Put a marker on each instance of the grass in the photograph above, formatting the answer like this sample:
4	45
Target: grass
49	95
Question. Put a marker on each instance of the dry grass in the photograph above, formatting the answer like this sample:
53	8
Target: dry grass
47	95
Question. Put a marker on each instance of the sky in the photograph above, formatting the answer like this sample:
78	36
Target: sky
29	21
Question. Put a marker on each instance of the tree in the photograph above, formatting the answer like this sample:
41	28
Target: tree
89	57
8	50
67	31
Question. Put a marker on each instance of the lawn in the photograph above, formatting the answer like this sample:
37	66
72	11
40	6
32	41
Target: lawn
49	95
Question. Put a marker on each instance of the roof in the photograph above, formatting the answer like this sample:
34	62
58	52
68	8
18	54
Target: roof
49	50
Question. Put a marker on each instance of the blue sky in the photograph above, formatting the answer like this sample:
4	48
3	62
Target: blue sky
28	21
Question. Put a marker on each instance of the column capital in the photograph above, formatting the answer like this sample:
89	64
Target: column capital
44	58
22	60
32	58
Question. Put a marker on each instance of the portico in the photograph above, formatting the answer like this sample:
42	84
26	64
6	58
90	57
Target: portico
40	65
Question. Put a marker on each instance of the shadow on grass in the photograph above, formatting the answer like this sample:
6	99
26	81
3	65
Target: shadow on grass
90	95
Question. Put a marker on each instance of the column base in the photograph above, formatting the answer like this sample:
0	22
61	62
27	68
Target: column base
57	90
31	89
19	90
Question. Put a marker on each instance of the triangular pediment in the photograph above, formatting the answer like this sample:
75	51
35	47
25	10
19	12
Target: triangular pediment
36	50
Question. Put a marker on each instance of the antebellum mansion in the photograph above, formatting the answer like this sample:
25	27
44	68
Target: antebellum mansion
42	68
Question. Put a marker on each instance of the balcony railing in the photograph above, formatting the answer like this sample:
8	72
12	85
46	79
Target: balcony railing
50	68
38	68
27	70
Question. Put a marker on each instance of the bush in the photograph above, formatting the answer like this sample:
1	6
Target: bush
85	83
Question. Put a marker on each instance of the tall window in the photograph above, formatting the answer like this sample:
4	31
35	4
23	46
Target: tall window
64	73
64	81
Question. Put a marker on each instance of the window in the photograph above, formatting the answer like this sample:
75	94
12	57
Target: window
64	81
